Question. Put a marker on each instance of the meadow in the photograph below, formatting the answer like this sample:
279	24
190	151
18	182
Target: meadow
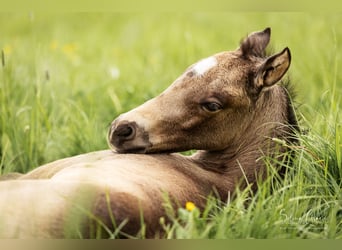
65	76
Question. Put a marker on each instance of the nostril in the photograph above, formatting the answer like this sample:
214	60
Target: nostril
128	137
124	131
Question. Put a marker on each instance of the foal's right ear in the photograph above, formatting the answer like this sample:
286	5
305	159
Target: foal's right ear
273	69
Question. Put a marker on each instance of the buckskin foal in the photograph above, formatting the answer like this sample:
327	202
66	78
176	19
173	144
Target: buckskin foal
227	106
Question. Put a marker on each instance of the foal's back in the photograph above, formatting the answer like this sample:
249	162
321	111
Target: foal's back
99	188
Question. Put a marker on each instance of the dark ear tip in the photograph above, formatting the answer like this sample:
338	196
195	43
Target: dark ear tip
267	31
287	50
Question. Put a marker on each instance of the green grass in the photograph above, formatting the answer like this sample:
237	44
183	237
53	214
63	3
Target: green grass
60	89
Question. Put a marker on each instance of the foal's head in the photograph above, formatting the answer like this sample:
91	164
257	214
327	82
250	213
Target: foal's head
208	107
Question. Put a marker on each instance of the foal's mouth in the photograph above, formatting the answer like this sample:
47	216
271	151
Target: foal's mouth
137	150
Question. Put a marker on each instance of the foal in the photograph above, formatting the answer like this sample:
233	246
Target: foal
227	106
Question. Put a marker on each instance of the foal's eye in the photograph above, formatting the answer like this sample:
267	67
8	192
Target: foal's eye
211	106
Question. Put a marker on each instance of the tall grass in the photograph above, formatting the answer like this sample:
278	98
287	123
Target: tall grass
307	203
64	77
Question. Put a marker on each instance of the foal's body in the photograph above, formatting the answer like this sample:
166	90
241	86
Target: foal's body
227	106
130	184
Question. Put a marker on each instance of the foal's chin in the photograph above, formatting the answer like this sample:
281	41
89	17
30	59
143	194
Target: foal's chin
125	149
149	149
137	150
140	150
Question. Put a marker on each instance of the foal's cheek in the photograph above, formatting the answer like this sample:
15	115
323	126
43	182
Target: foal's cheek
191	123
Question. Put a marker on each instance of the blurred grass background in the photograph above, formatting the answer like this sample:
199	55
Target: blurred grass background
65	76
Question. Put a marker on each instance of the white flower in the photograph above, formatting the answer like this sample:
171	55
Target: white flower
114	72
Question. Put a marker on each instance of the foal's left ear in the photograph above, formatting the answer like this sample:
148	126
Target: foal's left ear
256	43
273	69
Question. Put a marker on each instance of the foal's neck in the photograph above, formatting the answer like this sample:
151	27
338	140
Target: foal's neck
269	120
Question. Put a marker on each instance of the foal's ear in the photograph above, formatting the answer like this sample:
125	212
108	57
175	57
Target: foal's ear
256	43
273	69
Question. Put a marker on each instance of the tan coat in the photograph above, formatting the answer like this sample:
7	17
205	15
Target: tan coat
226	106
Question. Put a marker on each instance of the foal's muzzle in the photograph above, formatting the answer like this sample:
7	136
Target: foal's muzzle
128	137
124	132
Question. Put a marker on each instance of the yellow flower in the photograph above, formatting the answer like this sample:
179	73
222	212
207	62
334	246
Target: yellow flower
54	45
7	49
69	49
190	206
